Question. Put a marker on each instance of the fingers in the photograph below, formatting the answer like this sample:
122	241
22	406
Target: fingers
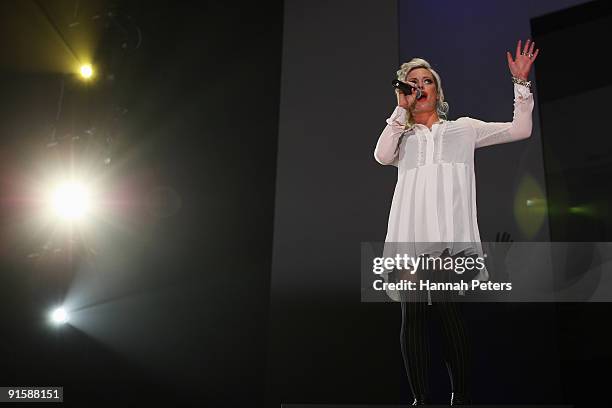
402	99
526	49
410	98
509	57
535	55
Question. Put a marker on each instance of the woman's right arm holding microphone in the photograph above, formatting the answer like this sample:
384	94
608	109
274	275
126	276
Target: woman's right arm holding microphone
386	151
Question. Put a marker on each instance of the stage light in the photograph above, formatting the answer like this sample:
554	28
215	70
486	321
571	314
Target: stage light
71	201
530	206
59	316
86	71
533	202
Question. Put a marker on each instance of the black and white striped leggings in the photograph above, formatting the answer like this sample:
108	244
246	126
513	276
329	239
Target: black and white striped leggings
414	335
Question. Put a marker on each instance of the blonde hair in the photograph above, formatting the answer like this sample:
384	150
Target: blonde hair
441	105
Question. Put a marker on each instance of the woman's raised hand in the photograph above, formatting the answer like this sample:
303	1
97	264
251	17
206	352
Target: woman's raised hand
523	60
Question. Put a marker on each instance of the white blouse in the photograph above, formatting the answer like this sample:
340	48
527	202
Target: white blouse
434	203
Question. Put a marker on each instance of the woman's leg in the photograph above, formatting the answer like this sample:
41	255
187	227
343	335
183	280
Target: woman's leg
456	347
414	343
456	343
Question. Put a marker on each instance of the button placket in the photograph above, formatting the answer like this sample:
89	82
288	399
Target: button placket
439	142
420	149
429	149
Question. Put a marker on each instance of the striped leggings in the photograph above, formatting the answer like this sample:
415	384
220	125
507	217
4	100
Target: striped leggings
414	335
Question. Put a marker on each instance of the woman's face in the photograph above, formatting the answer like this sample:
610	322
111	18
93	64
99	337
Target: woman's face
422	78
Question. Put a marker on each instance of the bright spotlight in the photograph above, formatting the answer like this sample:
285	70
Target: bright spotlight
86	71
71	201
59	316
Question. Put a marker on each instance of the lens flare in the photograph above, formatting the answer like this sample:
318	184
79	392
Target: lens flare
59	316
530	206
71	201
86	71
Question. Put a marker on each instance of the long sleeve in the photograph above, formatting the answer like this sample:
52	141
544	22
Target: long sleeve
492	133
386	151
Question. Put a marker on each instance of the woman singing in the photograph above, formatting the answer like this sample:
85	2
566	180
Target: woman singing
433	210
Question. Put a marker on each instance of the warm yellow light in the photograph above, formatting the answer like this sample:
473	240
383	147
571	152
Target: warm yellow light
86	71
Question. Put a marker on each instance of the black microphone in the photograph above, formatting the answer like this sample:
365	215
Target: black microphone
406	89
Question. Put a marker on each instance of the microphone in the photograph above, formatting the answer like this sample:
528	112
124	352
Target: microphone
406	89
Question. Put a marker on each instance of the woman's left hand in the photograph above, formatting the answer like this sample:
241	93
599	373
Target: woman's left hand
521	65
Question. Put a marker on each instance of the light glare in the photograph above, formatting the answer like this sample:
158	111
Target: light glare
86	71
59	316
71	201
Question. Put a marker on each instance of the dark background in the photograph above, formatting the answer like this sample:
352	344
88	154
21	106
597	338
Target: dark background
178	303
258	121
577	160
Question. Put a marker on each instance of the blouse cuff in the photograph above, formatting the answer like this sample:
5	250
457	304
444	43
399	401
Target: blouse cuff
398	117
521	93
